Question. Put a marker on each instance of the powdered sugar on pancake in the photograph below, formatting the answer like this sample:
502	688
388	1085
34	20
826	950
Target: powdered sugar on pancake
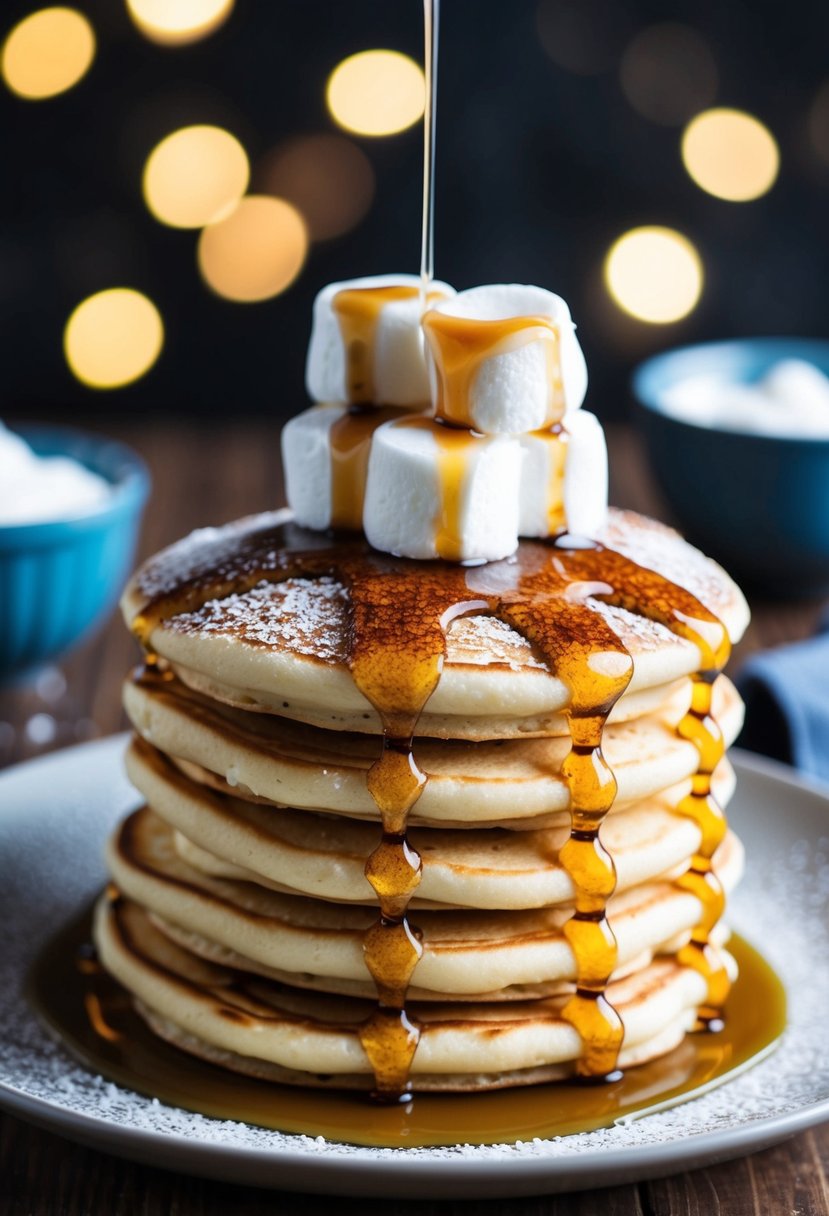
637	633
310	616
203	553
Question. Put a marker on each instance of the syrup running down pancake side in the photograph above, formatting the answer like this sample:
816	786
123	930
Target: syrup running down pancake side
399	612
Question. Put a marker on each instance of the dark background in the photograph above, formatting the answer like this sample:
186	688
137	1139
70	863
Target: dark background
539	169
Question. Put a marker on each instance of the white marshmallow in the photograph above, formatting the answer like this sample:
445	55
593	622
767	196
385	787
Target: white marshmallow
564	481
306	459
517	381
585	475
325	472
410	504
396	364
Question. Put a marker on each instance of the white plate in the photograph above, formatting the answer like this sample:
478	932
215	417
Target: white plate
54	816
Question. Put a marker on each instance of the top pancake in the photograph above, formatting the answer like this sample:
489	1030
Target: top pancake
282	646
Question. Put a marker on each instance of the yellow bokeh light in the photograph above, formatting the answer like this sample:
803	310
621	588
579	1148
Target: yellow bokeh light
195	176
256	251
376	92
327	177
655	274
113	338
177	22
730	154
47	52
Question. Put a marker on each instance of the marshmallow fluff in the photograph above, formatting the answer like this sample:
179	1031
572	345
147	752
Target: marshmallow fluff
432	492
35	489
366	342
792	399
504	359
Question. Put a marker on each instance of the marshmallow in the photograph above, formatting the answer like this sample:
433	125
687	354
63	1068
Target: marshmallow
366	343
325	454
437	492
504	359
564	479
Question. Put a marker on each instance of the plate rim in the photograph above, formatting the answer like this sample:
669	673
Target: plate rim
433	1174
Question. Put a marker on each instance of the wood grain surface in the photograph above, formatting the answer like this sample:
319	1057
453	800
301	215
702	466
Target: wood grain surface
207	476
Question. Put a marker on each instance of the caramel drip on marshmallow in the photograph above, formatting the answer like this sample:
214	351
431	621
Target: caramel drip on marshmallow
358	311
555	441
461	345
454	445
400	612
350	439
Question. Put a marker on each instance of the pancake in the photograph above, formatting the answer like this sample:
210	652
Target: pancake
482	727
466	954
295	1037
304	853
283	645
540	740
515	783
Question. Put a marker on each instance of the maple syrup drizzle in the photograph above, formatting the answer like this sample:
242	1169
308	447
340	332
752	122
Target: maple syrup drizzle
350	440
460	345
431	23
701	806
396	659
401	610
670	605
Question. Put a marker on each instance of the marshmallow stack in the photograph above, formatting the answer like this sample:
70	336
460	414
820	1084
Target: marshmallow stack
450	432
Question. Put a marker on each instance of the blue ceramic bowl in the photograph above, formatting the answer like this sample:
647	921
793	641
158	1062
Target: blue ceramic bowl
758	503
60	579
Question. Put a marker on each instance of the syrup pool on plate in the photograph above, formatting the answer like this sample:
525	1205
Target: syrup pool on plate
94	1018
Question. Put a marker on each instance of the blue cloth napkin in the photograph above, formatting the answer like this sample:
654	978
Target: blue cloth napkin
786	692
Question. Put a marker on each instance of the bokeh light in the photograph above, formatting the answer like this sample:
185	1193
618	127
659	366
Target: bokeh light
327	178
256	251
819	122
195	176
177	22
47	53
113	338
376	92
655	274
668	73
582	36
730	154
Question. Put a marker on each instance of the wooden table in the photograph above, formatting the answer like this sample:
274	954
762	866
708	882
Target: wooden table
208	475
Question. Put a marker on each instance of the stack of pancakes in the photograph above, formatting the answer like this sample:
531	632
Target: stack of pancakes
243	903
